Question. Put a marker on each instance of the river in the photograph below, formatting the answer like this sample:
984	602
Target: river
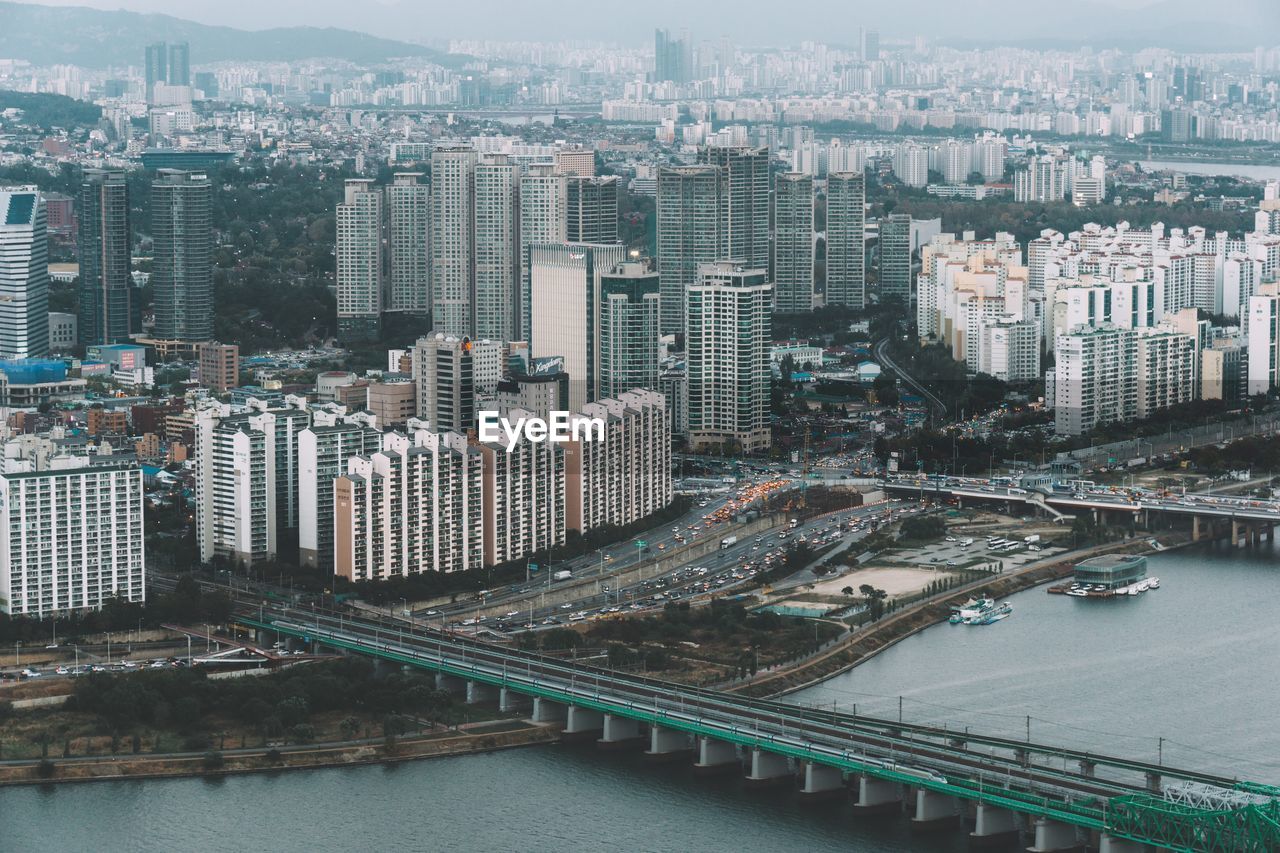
1191	662
1196	167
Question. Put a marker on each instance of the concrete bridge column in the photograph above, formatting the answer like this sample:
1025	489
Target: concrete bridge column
878	796
1054	835
509	700
582	722
768	769
1110	844
1087	768
451	683
1237	534
993	827
620	733
934	810
667	744
478	692
1153	782
546	711
1195	528
715	756
821	783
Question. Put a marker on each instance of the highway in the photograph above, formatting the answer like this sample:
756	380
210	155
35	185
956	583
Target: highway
1092	792
718	573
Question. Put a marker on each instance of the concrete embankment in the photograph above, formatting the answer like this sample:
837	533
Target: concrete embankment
868	642
479	738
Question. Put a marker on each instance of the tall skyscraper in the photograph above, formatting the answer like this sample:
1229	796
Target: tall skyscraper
690	225
24	274
566	283
895	257
323	450
179	64
728	358
157	70
453	186
451	372
870	45
496	249
359	262
629	329
109	309
542	220
408	247
182	273
673	57
846	248
793	244
745	200
592	210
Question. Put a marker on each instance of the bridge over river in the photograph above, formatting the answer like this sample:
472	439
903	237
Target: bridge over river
1063	798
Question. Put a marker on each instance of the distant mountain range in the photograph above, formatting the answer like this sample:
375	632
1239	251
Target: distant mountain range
96	39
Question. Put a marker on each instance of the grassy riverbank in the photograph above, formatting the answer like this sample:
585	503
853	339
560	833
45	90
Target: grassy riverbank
478	737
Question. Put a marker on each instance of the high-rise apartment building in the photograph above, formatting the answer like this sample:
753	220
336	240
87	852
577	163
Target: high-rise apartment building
71	531
895	257
24	274
728	358
565	310
412	507
793	244
453	186
673	57
629	329
575	161
109	308
182	272
690	214
323	451
746	202
359	262
624	476
1165	366
543	220
1094	380
591	209
523	489
408	201
497	259
846	239
1262	330
1009	350
911	164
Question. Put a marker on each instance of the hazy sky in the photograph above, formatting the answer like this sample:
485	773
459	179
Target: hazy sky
746	21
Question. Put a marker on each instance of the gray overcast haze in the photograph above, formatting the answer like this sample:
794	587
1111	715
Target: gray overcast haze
1224	24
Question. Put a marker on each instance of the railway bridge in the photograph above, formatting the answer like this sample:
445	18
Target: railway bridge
1000	788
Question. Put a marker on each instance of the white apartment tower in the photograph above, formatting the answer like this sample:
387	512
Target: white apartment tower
728	357
359	261
453	261
408	244
497	255
523	492
71	533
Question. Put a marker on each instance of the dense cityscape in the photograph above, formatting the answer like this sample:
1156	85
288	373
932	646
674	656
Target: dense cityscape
433	380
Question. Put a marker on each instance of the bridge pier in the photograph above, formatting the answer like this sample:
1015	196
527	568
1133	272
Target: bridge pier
1052	835
450	683
1153	782
509	700
878	796
715	756
546	711
1238	534
478	692
1087	768
667	744
768	770
620	733
581	723
821	783
1110	844
934	811
993	827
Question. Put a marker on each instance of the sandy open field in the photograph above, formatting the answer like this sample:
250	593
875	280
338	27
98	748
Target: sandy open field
895	582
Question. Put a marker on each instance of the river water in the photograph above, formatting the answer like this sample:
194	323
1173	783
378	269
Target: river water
1192	662
1251	171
